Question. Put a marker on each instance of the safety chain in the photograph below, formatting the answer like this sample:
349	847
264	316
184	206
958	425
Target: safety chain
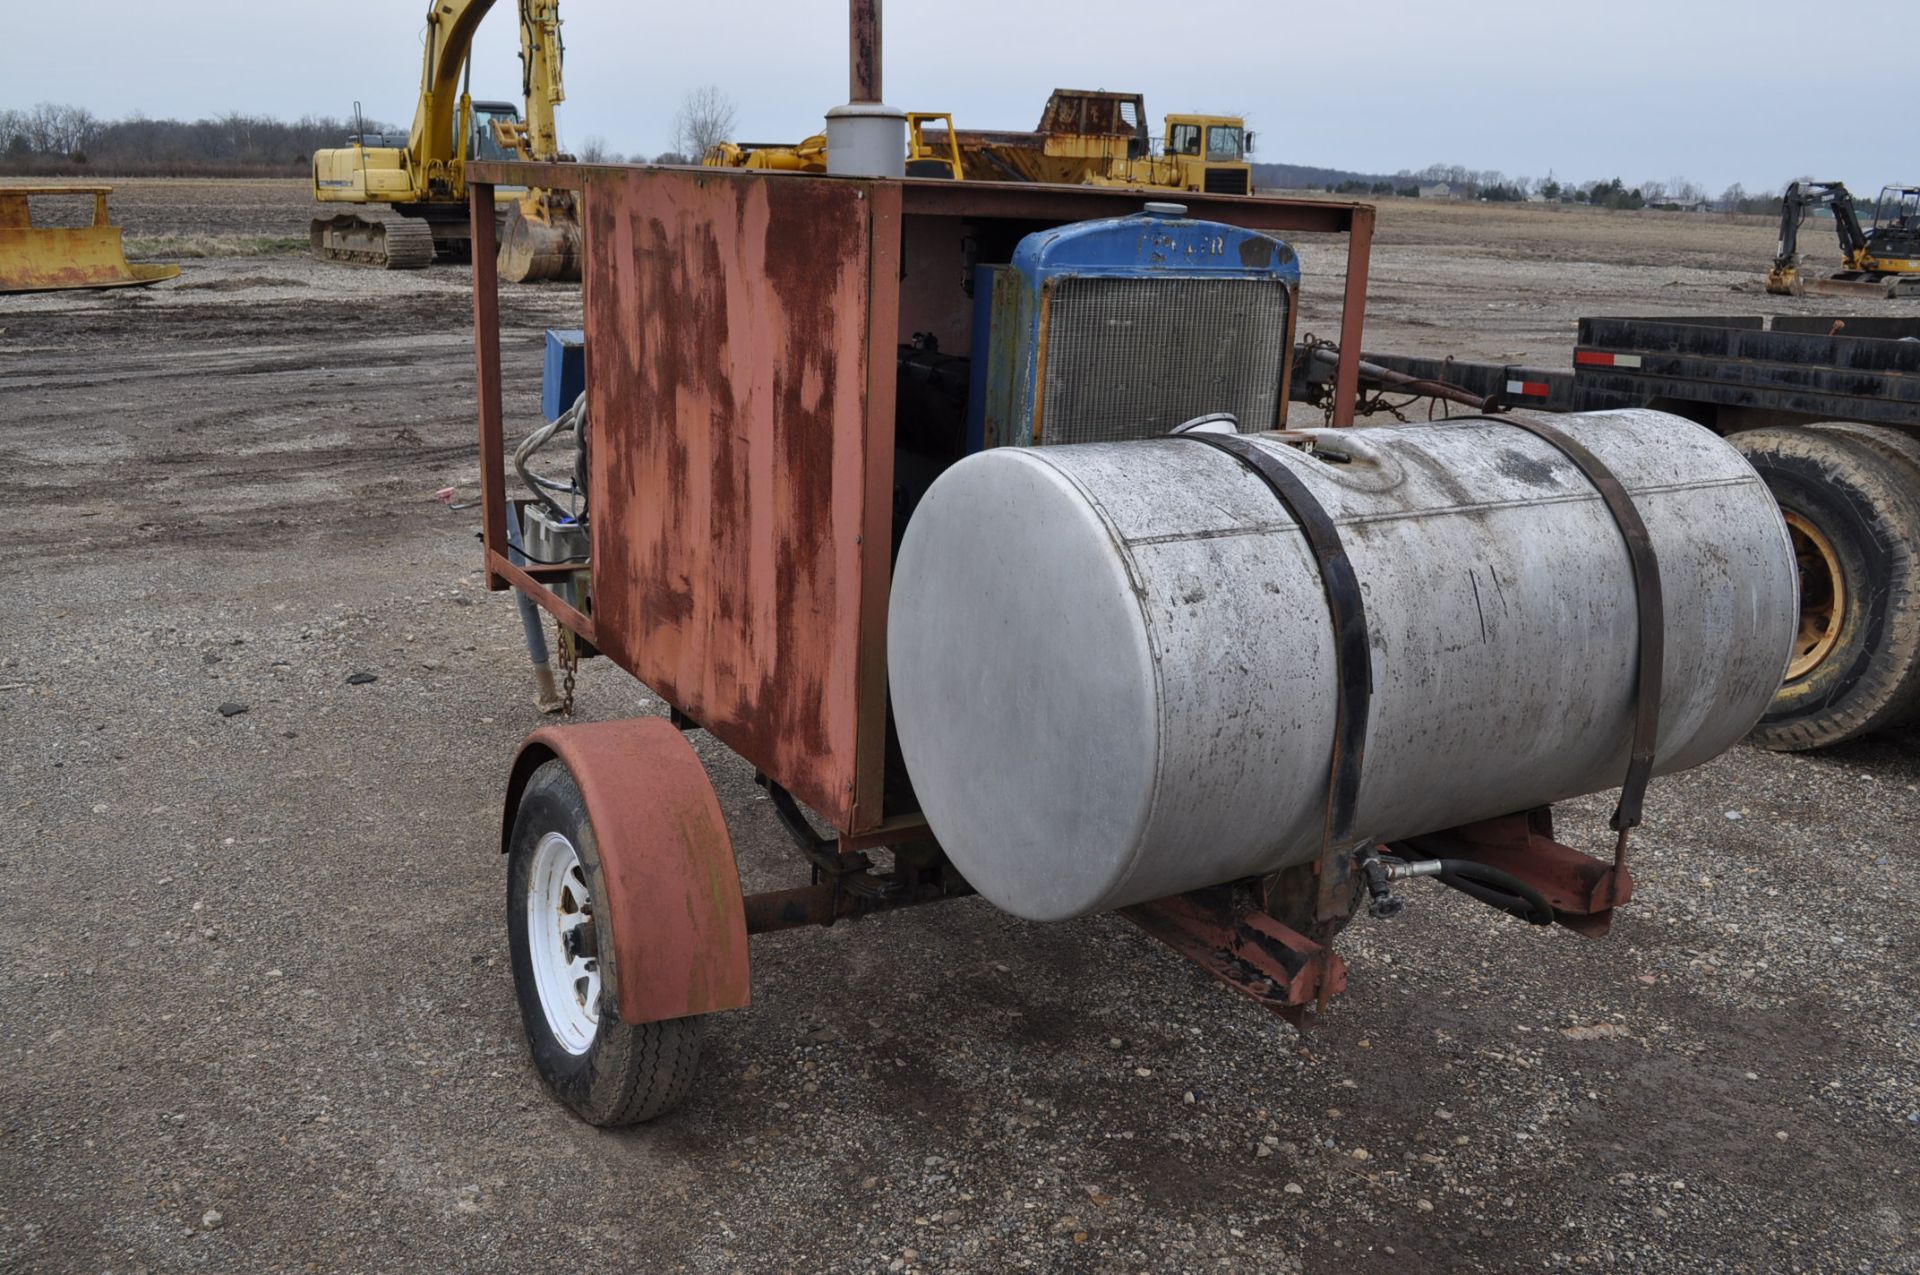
1369	404
569	667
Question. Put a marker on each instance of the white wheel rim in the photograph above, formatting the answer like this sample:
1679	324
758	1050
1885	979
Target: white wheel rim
566	973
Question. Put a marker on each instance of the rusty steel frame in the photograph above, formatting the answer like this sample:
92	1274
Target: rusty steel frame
825	902
1224	931
502	572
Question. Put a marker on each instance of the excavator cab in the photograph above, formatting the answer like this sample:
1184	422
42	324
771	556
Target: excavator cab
1898	209
1896	223
492	120
1893	245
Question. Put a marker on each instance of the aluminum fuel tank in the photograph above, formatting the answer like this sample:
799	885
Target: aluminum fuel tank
1112	665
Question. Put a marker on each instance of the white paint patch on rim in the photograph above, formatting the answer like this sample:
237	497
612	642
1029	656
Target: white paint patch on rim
566	977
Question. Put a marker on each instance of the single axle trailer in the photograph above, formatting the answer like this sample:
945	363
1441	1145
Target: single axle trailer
967	515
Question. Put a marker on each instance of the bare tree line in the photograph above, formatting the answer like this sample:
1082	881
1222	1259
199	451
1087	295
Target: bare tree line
58	139
48	129
1667	192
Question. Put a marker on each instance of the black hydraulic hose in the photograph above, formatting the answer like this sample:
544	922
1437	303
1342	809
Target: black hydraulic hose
1496	889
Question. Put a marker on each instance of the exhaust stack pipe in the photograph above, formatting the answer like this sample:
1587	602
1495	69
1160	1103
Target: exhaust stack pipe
866	137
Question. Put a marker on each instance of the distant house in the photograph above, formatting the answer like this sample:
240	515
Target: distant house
1439	190
1692	205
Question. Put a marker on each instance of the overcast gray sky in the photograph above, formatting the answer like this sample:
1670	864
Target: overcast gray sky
1757	91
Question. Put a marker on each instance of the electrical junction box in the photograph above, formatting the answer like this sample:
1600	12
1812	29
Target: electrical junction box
565	375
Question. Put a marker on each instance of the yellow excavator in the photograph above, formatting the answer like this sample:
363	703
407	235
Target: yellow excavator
1881	261
422	181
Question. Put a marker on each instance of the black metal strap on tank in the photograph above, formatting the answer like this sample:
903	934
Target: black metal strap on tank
1353	663
1651	605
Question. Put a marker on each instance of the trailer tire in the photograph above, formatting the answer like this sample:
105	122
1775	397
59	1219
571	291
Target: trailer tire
1854	515
609	1072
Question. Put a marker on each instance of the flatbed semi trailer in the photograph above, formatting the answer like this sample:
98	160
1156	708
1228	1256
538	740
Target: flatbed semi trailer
1827	409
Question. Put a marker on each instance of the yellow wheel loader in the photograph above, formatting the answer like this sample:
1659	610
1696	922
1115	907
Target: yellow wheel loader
421	179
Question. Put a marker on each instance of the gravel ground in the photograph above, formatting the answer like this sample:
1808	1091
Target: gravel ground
252	967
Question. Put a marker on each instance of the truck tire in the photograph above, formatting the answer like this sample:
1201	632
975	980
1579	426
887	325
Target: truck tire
1854	516
608	1072
1898	446
1903	449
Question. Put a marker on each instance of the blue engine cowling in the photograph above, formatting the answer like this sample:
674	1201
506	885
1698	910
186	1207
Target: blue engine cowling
1126	327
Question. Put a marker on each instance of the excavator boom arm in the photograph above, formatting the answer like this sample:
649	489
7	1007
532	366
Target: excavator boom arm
1846	222
451	25
541	55
450	29
1800	198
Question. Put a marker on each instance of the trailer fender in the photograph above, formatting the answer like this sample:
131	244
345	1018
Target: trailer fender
670	884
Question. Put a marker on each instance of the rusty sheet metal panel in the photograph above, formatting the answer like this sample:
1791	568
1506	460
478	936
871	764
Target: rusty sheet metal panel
742	460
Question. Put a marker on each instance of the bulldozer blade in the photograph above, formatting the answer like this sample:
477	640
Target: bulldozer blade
1878	288
50	258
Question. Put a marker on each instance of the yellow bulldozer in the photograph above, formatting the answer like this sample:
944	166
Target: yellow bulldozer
421	179
1085	138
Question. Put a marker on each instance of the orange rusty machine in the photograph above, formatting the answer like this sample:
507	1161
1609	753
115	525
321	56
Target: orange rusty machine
1231	681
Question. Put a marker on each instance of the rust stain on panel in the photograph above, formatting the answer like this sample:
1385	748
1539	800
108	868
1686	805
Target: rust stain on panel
727	330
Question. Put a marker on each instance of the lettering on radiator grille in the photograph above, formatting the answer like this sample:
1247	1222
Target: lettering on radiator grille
1134	357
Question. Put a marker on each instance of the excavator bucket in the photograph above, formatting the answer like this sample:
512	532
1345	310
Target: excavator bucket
541	240
47	258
